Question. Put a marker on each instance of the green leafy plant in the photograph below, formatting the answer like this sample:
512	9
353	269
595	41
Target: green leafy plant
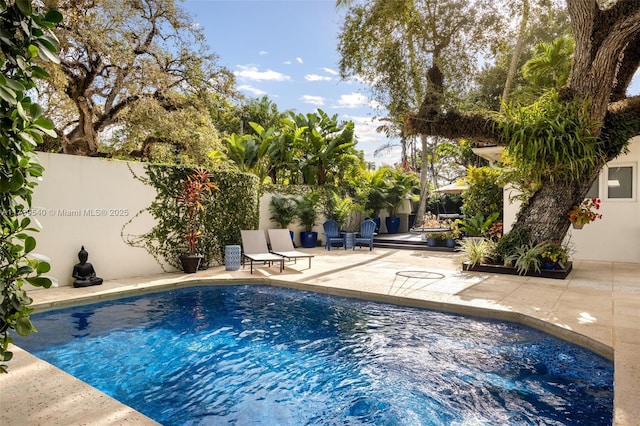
376	186
436	235
194	189
527	257
478	225
477	251
508	243
307	210
402	186
554	253
226	211
26	33
283	210
484	193
552	138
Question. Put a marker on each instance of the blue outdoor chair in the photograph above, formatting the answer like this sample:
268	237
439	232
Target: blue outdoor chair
332	234
367	231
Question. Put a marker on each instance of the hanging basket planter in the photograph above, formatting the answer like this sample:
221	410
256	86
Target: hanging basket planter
577	225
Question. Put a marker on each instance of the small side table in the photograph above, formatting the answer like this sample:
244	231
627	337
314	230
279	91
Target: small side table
349	240
232	258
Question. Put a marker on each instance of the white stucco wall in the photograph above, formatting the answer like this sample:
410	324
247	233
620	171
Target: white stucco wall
86	201
615	237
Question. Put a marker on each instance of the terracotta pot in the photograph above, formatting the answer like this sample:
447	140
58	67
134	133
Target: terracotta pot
577	225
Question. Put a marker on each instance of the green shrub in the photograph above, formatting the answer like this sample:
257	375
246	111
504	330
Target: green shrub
509	243
484	194
232	208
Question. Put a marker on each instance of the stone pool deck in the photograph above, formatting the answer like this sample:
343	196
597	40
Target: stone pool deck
597	306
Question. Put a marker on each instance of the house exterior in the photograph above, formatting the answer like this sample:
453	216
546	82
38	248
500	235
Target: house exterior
615	237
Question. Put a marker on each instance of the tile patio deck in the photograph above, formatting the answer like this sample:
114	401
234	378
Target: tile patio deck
597	306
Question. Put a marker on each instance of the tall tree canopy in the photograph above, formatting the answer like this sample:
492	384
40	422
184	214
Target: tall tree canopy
116	55
403	49
597	118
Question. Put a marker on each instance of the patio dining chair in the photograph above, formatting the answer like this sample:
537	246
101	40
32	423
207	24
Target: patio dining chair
332	234
367	231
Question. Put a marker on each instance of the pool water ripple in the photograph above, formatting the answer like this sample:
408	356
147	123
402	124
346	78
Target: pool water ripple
256	354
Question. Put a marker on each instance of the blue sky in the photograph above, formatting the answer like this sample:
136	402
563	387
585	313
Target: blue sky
286	49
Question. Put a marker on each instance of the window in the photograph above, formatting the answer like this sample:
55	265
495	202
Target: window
620	182
594	191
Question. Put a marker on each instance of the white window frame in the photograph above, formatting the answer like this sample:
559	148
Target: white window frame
604	188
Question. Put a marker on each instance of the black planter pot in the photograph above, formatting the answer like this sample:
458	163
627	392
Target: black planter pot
308	239
190	262
393	224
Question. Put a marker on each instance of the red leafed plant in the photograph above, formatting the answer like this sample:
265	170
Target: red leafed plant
192	192
586	212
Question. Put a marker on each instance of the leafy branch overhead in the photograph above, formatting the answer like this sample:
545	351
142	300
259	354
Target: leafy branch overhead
25	34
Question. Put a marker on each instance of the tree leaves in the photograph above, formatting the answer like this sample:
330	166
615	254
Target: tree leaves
24	33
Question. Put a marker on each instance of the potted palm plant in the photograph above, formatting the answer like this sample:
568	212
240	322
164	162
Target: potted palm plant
401	189
307	213
283	210
377	185
193	191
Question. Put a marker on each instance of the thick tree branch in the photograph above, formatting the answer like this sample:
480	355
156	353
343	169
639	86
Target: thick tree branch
480	128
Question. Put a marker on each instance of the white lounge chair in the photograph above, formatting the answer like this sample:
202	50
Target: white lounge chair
282	245
254	248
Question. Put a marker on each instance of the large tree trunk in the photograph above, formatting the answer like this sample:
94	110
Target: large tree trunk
513	67
83	139
607	54
545	213
424	172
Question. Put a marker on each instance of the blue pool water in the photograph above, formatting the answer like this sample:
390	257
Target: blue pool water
266	355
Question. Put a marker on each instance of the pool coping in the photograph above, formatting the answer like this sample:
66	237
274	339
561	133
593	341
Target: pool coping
626	397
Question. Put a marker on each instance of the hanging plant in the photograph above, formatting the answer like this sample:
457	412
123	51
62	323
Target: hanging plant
585	213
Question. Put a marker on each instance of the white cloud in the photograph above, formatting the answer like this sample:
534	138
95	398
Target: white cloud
313	100
251	89
287	62
263	52
316	77
299	60
356	100
330	71
252	73
369	140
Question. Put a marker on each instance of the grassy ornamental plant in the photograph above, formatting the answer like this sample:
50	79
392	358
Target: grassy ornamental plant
586	212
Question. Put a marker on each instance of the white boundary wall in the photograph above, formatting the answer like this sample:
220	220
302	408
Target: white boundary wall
86	201
615	237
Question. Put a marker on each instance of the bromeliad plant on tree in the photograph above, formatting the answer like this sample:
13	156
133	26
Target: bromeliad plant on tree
192	194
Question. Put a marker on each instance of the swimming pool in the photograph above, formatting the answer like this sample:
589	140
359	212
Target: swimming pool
260	354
